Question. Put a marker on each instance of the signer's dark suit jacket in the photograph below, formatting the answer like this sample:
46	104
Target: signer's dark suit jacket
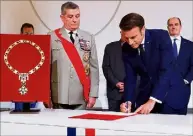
157	58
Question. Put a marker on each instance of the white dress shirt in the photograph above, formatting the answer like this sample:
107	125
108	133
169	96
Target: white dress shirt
178	42
143	43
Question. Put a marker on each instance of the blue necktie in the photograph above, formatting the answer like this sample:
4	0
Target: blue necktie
142	53
175	51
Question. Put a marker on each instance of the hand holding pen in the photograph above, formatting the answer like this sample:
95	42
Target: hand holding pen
126	107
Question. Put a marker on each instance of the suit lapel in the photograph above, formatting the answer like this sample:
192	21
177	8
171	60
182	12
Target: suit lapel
119	48
147	46
182	51
76	40
64	34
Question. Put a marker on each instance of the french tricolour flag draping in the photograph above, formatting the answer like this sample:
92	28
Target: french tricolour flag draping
72	131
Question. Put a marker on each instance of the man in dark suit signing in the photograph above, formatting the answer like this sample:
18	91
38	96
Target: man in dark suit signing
147	57
114	72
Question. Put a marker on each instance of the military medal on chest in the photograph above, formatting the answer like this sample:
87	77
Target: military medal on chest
85	46
87	69
23	77
86	56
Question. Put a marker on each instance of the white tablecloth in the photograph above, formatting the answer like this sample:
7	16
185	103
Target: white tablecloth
55	122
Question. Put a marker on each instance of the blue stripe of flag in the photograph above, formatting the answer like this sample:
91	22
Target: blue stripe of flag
71	131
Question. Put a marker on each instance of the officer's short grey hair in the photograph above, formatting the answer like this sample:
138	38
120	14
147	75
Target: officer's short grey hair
68	5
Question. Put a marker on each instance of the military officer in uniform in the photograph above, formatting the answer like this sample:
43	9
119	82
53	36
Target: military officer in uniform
67	89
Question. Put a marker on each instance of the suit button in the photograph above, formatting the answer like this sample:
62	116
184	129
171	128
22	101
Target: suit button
70	76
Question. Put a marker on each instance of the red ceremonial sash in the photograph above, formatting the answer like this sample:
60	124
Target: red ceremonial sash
77	63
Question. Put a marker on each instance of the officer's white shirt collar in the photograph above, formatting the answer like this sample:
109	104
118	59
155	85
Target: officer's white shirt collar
74	32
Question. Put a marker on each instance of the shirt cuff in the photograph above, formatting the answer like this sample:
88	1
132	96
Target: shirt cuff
158	101
185	81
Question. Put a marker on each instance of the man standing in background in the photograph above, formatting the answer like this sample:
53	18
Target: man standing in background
177	80
182	48
114	72
74	63
26	29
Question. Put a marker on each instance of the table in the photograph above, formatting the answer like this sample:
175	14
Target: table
56	122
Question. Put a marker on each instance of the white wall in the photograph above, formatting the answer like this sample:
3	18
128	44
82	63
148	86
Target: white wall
94	16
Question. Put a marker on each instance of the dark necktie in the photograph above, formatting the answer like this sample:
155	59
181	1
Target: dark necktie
175	51
71	37
142	53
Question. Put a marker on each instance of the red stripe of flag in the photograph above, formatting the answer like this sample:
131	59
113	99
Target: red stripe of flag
89	132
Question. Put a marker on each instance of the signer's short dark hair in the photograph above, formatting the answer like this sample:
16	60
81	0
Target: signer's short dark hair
130	21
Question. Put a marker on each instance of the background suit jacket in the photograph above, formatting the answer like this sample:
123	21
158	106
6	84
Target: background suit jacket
172	88
21	105
66	87
157	61
113	69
